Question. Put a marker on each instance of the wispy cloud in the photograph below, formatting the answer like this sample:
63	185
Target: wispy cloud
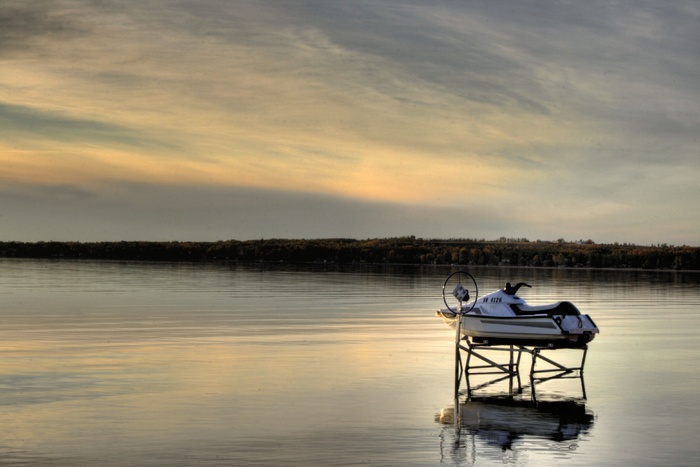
26	27
23	122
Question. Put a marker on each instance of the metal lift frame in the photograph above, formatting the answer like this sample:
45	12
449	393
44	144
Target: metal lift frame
465	351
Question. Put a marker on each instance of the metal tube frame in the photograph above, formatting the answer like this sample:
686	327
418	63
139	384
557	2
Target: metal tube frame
464	367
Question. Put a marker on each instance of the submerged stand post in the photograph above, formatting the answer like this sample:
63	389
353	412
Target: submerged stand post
459	368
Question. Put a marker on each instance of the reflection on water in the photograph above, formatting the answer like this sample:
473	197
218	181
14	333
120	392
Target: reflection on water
514	424
111	363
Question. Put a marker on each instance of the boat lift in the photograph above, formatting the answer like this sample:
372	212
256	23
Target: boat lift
472	359
467	352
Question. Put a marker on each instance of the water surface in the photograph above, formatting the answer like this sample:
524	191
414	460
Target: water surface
111	363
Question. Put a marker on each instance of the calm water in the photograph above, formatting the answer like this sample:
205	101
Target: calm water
108	363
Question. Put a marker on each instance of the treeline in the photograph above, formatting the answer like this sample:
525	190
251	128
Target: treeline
402	250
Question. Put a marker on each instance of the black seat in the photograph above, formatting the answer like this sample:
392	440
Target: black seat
561	308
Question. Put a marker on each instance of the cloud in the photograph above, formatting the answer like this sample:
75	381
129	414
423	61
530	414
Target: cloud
19	121
172	212
584	110
139	211
27	26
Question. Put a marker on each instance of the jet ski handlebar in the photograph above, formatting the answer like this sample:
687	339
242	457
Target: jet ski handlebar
513	289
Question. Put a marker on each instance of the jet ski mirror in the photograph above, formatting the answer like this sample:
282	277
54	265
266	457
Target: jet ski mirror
460	293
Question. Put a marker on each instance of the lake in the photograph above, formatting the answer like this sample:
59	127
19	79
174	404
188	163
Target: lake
148	364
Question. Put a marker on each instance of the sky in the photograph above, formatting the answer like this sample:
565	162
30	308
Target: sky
205	120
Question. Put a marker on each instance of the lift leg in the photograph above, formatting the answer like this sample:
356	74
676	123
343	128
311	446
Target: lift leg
509	370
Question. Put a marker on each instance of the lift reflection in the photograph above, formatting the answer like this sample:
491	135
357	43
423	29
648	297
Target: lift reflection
501	421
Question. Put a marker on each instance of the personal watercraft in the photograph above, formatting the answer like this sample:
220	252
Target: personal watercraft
503	318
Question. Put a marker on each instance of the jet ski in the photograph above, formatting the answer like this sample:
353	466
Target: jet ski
502	317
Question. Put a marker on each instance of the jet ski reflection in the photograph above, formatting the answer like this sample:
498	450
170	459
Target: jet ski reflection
501	421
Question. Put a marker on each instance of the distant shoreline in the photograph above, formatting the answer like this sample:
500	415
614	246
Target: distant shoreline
397	250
